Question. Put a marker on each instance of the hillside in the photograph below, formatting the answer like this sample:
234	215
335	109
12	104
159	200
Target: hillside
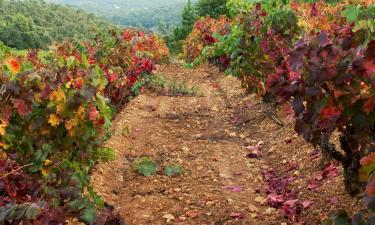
141	13
36	24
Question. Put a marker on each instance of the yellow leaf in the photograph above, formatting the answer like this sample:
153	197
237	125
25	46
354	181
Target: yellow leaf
54	120
3	129
37	98
70	124
80	114
60	108
3	155
47	162
3	145
58	96
46	171
68	85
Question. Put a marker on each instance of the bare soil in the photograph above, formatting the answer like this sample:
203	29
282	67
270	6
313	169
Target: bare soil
207	135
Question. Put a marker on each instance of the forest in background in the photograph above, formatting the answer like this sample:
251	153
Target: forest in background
140	13
37	24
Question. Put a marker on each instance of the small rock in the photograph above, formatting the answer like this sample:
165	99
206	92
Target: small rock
182	218
237	215
185	150
210	203
200	168
168	217
253	208
260	200
225	175
177	190
270	211
233	134
283	224
296	173
253	215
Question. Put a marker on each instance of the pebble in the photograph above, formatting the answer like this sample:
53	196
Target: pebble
169	217
233	134
260	200
210	203
253	208
270	211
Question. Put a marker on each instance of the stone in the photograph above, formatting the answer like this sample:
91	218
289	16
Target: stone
253	208
270	211
260	200
168	217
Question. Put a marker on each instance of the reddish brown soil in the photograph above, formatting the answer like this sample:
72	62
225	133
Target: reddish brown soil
197	133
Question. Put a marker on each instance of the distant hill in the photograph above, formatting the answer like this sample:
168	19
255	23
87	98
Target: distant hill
36	24
140	13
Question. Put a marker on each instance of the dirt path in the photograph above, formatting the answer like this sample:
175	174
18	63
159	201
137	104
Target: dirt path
196	133
220	184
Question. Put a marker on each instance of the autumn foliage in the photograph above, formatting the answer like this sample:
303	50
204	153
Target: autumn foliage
319	59
55	114
203	35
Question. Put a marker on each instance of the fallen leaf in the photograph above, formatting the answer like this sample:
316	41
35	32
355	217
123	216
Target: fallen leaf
334	200
306	204
314	155
192	214
239	173
237	215
234	188
313	185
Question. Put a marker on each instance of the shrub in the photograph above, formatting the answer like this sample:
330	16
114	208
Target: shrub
203	35
55	114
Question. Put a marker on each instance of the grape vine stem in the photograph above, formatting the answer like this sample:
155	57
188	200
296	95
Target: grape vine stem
18	169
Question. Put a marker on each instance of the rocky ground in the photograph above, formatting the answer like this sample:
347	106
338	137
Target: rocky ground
239	156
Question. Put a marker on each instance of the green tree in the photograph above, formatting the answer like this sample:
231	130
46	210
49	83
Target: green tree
187	22
212	8
36	24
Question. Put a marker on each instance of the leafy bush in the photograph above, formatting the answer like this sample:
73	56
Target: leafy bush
52	120
330	82
320	59
203	35
55	114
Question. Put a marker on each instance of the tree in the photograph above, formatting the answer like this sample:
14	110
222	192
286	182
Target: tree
36	24
212	8
188	20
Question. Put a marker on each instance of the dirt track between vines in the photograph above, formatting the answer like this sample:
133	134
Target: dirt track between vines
198	133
